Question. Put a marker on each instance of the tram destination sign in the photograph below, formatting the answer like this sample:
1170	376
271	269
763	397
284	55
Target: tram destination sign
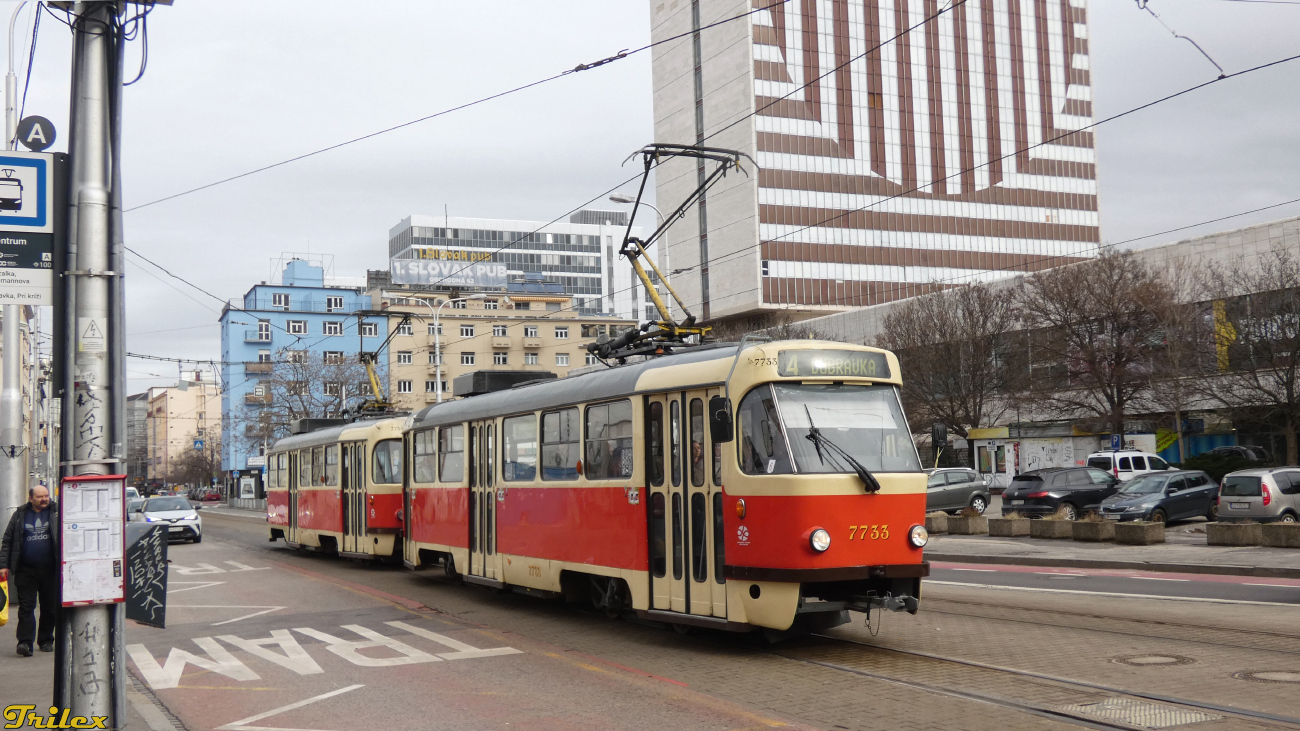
26	228
831	363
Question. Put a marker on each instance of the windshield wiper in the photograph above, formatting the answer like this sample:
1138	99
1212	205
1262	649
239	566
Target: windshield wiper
815	436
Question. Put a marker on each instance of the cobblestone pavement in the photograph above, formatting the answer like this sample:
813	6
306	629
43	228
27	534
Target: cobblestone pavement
830	684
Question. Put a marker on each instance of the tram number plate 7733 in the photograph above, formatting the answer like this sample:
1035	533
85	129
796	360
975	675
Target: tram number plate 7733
868	532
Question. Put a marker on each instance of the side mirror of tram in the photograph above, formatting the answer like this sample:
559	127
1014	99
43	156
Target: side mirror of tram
721	428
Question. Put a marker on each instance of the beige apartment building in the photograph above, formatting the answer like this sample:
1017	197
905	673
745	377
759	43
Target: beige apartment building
508	331
177	416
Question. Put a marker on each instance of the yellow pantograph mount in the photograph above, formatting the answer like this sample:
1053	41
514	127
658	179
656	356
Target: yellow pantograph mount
661	336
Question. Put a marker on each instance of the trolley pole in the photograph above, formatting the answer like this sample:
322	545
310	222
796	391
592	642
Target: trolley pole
89	673
13	464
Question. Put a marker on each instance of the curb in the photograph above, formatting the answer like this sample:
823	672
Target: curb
1265	572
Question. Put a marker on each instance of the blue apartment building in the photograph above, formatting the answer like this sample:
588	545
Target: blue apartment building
301	314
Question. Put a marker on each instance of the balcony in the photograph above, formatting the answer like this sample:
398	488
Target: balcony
501	343
532	342
253	399
257	336
257	367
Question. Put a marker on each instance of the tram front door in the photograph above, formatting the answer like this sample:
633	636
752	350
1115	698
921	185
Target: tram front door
352	465
684	510
483	559
292	535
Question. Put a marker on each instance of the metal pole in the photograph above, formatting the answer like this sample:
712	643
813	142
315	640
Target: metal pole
13	481
437	349
92	679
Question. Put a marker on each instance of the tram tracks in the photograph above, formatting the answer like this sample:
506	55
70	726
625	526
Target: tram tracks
1067	700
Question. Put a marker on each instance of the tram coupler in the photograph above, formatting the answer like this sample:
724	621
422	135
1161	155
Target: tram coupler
900	603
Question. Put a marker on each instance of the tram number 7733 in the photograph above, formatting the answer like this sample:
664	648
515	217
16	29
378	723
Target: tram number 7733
877	532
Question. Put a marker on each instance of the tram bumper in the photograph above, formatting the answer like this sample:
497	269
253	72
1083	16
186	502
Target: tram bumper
894	587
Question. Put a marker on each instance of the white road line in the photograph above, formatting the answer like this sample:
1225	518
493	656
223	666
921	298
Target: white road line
242	724
1154	578
1111	593
201	585
1284	586
992	571
266	609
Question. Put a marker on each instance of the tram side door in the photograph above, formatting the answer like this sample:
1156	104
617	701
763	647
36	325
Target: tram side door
353	466
704	533
483	560
293	497
659	485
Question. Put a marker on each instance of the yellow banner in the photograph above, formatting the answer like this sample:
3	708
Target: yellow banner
1165	439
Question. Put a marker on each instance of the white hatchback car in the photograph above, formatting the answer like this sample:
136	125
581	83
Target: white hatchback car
1127	464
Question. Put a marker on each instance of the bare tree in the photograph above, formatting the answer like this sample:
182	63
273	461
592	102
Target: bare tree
1257	331
199	465
1185	347
956	354
1091	328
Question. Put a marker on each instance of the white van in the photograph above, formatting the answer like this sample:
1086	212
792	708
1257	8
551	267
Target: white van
1127	464
132	493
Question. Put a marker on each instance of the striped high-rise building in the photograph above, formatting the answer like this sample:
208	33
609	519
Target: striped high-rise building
900	145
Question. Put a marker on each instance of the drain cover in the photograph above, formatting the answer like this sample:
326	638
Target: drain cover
1143	661
1139	714
1269	676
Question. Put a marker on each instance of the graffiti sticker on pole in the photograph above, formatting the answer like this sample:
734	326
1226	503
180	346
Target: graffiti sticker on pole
26	228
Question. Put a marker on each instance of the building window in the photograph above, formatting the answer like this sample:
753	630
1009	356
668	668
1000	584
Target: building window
404	328
333	357
467	359
297	327
490	304
430	386
530	331
333	304
458	305
561	359
333	328
765	269
333	388
280	301
467	331
297	356
498	331
651	313
404	357
562	333
530	359
264	331
592	359
263	356
435	359
435	329
296	388
499	358
369	330
403	386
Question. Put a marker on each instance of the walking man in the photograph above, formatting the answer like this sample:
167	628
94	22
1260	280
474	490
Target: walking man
30	554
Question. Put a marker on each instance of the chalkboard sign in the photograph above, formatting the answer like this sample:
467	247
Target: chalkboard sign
146	573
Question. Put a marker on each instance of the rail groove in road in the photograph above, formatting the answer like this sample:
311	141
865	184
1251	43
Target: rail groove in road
1051	687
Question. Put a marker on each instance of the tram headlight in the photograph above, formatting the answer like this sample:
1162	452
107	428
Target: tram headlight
919	536
820	540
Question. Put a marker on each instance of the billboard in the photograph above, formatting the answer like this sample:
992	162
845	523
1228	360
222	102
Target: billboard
445	273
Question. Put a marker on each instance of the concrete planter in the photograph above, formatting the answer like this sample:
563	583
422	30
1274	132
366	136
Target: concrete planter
1051	528
936	523
1139	534
1280	535
1233	534
968	526
1009	527
1093	531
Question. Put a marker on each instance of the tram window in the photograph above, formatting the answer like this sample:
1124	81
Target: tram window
654	438
332	465
387	458
697	442
282	474
762	443
491	456
560	437
675	445
318	466
451	454
717	463
423	459
519	435
658	545
304	468
677	535
699	526
609	454
719	542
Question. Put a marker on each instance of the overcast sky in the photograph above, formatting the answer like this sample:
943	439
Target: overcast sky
238	84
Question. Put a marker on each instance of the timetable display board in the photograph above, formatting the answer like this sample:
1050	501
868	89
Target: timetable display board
93	512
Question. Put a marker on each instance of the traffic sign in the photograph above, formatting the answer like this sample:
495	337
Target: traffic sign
36	133
26	228
198	444
1116	442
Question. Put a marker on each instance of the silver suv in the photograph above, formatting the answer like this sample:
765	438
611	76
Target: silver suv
1264	495
953	489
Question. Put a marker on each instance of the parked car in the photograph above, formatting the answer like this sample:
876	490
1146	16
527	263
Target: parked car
1264	495
210	495
134	506
182	519
1163	496
1248	451
1127	464
1071	490
952	489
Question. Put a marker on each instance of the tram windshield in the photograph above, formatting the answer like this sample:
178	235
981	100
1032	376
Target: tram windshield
865	421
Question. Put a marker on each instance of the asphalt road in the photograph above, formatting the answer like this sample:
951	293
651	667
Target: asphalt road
1204	587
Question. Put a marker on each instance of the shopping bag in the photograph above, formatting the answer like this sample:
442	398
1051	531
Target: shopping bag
4	603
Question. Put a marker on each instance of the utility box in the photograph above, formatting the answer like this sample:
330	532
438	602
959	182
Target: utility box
480	382
302	426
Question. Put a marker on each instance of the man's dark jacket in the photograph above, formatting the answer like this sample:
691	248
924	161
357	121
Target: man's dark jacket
11	548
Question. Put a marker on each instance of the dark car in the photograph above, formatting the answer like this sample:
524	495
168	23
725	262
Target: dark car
952	489
1071	490
1248	451
1163	496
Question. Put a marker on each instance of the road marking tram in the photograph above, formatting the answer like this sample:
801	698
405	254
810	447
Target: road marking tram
637	489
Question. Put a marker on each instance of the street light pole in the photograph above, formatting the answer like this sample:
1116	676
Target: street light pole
13	477
437	338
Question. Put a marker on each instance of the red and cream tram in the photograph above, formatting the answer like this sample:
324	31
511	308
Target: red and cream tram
338	489
635	487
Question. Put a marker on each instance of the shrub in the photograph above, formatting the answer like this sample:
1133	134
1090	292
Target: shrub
969	512
1092	517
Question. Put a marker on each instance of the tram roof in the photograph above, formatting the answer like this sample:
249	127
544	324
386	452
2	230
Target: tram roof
328	435
594	386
